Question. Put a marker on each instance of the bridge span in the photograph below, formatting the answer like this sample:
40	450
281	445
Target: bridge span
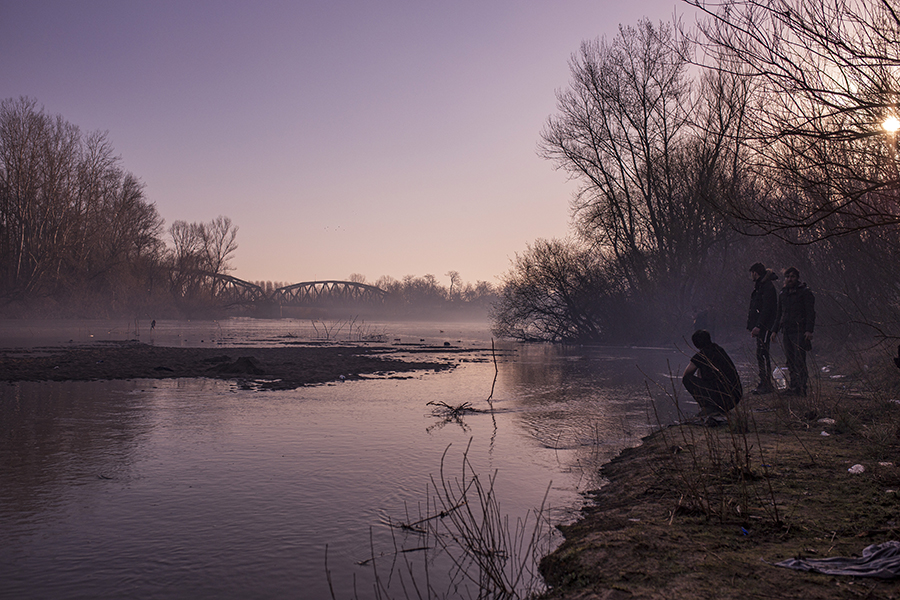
318	293
227	291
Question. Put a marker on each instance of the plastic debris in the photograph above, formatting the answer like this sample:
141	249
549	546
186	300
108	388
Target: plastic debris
779	377
856	469
825	434
877	560
826	421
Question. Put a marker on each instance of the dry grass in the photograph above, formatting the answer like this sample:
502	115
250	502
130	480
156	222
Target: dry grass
705	512
489	556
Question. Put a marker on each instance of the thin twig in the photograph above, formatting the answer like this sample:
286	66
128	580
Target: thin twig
496	372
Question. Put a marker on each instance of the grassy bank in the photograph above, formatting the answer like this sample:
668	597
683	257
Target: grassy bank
705	512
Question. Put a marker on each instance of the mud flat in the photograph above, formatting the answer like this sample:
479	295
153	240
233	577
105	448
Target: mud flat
266	368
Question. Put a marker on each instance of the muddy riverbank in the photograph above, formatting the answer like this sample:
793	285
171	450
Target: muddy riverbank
701	512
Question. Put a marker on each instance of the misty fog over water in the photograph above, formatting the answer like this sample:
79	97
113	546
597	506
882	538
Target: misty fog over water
198	488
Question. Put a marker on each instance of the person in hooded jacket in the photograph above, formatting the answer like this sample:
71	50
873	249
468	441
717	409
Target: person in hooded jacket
711	377
796	319
761	322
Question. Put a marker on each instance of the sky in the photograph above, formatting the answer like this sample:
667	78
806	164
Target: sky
341	136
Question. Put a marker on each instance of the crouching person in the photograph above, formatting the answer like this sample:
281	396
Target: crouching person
711	377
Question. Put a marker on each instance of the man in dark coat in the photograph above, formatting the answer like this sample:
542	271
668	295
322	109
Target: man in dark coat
711	377
761	321
796	319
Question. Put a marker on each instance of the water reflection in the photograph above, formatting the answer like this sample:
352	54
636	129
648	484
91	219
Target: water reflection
593	400
198	488
56	436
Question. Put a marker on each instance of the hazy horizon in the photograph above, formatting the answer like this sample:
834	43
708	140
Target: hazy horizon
386	139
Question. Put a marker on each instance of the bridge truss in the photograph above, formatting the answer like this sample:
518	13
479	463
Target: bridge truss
227	291
231	291
328	293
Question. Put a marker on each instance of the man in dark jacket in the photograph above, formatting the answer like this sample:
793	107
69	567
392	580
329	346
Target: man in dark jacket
711	377
761	321
795	319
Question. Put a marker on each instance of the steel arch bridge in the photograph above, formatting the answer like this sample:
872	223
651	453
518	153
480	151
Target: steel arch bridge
231	291
324	293
222	290
227	291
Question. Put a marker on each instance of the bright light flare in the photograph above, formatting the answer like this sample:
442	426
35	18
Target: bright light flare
891	124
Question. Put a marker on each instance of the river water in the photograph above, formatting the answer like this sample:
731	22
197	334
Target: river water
197	488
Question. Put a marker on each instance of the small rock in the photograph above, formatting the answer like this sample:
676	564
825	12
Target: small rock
856	469
245	365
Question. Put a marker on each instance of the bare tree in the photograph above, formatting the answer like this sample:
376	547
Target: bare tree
559	291
206	247
200	252
626	106
187	249
455	285
74	224
652	147
39	155
219	244
825	76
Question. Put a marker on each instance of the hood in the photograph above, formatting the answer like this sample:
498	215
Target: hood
769	275
800	286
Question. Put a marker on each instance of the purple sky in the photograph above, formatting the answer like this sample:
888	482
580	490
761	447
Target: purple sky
382	138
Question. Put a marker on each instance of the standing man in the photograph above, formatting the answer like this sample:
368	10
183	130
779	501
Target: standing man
761	322
796	319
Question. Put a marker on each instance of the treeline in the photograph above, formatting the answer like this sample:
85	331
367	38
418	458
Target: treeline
425	295
763	135
423	292
74	225
78	237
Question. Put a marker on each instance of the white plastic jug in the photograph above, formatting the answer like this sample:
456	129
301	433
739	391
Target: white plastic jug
779	377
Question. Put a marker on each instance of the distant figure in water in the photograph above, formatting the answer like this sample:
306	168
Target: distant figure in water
152	324
711	377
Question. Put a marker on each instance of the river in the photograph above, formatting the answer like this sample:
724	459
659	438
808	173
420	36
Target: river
198	488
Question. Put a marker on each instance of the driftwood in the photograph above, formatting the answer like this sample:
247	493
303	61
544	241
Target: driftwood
442	409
